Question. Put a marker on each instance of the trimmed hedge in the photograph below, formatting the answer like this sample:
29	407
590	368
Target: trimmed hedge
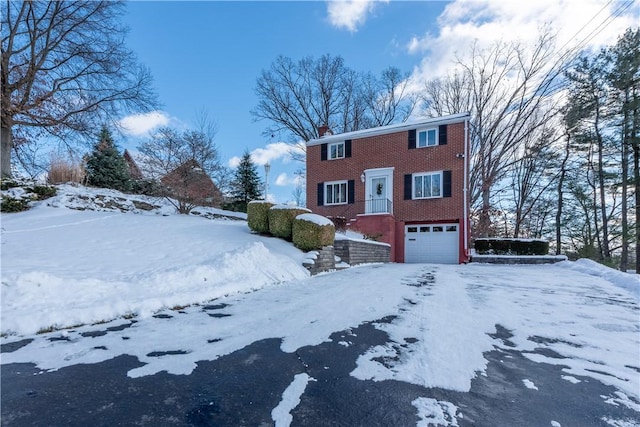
258	216
312	232
281	220
500	246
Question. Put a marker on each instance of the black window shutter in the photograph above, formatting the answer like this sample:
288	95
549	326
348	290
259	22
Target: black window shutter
412	139
351	191
407	187
321	194
446	184
347	148
442	135
323	151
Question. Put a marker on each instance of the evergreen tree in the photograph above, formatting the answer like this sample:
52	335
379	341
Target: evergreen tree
246	184
106	167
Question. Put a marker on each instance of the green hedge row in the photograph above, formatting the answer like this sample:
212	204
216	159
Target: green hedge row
306	230
495	246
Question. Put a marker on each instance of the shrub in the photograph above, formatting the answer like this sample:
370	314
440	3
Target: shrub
9	204
6	184
281	220
43	192
311	232
258	216
498	246
62	171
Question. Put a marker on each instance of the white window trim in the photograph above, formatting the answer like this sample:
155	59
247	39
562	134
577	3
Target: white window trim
329	146
437	141
346	192
422	174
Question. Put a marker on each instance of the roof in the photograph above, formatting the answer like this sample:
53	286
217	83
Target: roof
398	127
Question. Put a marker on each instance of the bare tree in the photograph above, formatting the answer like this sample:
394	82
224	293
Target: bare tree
184	162
531	178
65	70
449	95
298	97
507	89
387	98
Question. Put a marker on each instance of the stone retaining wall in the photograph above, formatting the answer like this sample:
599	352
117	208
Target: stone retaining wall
355	252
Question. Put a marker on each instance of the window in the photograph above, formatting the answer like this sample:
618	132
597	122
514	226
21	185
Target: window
427	185
335	193
427	138
336	151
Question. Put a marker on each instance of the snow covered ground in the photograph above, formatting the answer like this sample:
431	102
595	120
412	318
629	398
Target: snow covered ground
64	268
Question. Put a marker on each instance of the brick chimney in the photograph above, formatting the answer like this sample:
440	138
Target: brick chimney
324	130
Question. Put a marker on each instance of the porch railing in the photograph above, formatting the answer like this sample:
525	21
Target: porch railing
350	211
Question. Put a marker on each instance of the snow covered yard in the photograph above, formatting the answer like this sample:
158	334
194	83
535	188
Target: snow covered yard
63	267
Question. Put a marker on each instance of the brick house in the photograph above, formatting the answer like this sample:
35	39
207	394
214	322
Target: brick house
406	184
190	183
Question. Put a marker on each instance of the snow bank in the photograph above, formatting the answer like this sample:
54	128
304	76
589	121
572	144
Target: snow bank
64	267
630	282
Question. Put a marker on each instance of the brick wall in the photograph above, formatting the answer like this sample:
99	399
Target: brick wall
392	150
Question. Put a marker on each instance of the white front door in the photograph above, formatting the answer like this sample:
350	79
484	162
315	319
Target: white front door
379	190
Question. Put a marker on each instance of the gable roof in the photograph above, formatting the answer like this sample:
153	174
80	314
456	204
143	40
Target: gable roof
134	170
398	127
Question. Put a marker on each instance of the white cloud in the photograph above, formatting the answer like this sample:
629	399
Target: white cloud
273	151
141	124
585	23
349	14
284	180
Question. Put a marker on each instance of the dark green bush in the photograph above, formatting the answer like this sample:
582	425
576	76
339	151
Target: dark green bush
481	246
43	191
498	246
8	183
258	216
311	232
281	220
9	204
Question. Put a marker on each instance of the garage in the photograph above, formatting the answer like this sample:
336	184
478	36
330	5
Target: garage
432	243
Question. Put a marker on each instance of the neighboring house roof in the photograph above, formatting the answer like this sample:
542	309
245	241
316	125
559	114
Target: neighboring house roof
134	170
190	180
454	118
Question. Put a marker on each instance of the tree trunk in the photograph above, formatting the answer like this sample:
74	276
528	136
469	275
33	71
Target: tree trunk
604	248
563	172
5	151
636	179
484	222
624	254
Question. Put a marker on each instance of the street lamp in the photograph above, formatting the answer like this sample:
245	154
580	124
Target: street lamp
267	168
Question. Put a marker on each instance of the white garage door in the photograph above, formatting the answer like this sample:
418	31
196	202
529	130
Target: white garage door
431	243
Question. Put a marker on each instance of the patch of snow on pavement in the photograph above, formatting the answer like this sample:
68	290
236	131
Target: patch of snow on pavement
621	423
445	324
281	414
435	413
571	379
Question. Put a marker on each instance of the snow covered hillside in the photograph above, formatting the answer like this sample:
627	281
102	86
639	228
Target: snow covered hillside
77	259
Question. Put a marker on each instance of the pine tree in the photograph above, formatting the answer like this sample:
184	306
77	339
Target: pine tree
106	167
246	183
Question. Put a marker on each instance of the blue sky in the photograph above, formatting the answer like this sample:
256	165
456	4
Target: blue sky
207	55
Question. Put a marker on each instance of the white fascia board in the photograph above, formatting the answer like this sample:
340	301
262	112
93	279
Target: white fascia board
383	130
